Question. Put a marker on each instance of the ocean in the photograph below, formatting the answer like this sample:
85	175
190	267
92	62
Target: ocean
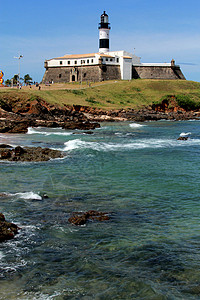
139	173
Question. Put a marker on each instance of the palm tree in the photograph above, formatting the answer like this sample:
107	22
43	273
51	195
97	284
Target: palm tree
27	79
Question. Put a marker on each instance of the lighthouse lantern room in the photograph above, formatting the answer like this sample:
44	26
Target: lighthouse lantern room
104	28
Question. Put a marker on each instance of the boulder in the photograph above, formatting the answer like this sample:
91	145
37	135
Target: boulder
182	138
7	230
29	154
5	146
81	218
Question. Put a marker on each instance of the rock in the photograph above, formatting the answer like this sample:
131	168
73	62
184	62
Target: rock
7	230
30	154
45	196
182	138
81	218
13	126
5	154
80	125
19	151
5	146
2	218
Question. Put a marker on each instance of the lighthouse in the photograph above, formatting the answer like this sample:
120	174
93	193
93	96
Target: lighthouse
104	28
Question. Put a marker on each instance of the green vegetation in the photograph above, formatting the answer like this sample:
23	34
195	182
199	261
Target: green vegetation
187	103
117	94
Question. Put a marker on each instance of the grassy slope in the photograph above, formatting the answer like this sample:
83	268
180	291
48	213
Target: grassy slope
112	94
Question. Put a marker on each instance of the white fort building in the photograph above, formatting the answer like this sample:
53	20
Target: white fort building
106	65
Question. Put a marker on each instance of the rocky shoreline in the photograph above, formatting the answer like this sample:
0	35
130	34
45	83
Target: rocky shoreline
16	115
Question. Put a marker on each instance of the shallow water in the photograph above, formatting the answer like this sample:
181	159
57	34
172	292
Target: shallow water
147	180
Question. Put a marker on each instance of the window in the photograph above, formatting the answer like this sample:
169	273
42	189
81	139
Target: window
106	59
82	61
75	62
92	60
117	59
61	62
111	59
68	62
88	61
60	75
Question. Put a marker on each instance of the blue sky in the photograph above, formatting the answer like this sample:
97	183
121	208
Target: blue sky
159	30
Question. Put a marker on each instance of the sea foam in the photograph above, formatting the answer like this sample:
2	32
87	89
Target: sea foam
1	255
185	134
25	195
136	125
31	130
134	145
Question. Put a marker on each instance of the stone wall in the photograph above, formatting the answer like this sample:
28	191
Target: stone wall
60	74
88	73
157	72
110	72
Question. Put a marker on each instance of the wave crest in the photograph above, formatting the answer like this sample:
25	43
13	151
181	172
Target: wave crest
136	125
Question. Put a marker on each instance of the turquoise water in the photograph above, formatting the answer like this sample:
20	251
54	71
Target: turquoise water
149	183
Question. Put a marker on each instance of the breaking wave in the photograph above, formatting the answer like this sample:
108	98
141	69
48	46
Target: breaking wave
136	125
25	195
185	134
136	144
31	130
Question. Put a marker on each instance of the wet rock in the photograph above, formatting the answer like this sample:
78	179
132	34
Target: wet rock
81	218
13	126
81	125
182	138
19	151
45	196
5	146
7	230
5	154
30	154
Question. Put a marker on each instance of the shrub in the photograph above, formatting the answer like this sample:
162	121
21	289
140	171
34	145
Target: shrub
185	102
91	100
77	92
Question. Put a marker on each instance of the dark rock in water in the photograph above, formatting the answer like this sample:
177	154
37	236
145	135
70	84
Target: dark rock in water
81	218
80	125
3	195
29	154
19	151
7	229
5	146
5	154
182	138
2	218
45	196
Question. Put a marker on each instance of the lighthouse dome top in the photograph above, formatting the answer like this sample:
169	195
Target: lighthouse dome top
104	21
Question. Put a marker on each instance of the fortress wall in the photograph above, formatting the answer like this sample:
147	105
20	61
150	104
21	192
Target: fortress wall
62	74
157	72
110	72
89	73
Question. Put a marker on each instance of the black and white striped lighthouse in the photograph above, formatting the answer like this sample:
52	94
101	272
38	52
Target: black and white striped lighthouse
104	28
